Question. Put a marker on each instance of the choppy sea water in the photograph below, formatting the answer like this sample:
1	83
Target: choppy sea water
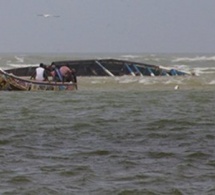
125	135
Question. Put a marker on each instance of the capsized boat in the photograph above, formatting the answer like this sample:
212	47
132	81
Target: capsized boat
107	67
10	82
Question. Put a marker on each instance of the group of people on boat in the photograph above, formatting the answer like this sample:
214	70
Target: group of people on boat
58	74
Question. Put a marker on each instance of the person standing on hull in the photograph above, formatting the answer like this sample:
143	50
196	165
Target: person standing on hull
66	73
40	73
63	74
55	73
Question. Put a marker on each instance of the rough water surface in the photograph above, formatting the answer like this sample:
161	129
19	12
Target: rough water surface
112	136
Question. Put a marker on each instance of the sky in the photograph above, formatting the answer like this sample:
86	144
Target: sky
107	26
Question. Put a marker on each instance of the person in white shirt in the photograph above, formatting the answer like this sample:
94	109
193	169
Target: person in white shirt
40	73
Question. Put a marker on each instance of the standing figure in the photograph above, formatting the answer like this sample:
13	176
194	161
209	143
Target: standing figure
40	73
62	74
56	74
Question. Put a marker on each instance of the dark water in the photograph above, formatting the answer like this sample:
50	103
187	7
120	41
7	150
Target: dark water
123	136
107	142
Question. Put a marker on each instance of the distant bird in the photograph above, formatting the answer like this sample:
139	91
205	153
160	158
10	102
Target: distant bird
176	87
48	15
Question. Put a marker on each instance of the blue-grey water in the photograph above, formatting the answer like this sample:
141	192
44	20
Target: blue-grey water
123	135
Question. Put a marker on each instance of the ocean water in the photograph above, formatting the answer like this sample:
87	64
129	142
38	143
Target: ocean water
122	135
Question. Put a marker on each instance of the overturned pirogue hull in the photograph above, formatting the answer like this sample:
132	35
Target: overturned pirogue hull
10	82
106	67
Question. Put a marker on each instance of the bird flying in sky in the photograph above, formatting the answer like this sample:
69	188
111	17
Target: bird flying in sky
48	15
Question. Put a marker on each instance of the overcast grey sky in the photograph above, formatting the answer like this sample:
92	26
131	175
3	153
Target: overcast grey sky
126	26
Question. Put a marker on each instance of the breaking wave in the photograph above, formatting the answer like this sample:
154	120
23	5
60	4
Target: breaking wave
194	59
22	65
19	59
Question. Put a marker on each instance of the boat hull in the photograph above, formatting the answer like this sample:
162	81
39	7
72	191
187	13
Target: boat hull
106	67
10	82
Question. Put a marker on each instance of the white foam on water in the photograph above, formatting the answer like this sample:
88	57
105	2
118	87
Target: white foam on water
129	56
212	82
171	81
97	82
129	79
148	81
203	70
19	59
194	59
22	65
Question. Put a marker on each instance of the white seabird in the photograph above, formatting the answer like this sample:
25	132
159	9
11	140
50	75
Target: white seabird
176	87
48	15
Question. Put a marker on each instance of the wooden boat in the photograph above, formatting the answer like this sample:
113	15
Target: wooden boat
10	82
107	67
